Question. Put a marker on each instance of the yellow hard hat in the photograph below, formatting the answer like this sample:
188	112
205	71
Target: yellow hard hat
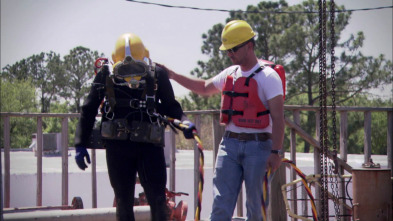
129	44
234	33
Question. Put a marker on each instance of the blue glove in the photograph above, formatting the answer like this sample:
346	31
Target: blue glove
80	154
188	131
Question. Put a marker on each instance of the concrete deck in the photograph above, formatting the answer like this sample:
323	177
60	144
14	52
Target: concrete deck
23	179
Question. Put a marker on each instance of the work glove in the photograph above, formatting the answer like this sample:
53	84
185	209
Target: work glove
188	131
80	155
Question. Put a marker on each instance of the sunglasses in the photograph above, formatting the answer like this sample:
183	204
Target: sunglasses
235	49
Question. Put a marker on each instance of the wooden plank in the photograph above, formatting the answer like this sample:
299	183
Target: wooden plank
293	193
390	140
338	108
367	136
343	156
343	135
39	161
276	209
64	161
94	178
315	143
288	123
206	112
218	132
7	163
317	163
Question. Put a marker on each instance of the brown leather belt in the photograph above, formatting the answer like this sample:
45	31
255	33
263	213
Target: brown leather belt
248	136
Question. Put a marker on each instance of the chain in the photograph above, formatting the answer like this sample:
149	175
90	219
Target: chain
334	181
323	115
320	107
325	131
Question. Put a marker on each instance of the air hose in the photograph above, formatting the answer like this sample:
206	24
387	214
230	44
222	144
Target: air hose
176	123
304	181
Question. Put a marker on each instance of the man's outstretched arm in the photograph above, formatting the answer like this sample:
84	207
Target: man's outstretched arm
196	85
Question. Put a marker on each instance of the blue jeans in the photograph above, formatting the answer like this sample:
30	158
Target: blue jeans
238	161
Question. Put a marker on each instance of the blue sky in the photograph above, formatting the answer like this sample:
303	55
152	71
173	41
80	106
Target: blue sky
173	36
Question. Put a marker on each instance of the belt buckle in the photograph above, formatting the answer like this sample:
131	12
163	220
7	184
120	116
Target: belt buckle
262	137
242	137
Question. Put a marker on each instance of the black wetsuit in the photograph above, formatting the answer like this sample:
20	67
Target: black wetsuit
126	158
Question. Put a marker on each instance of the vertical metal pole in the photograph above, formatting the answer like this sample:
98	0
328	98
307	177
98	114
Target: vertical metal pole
317	159
296	118
367	136
343	156
276	209
94	178
390	141
218	132
1	190
343	135
64	161
7	149
39	161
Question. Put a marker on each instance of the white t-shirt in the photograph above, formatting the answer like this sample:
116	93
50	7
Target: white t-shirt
269	86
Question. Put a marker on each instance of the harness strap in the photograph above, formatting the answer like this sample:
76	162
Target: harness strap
110	93
235	94
133	103
253	74
150	90
232	112
263	113
146	100
235	112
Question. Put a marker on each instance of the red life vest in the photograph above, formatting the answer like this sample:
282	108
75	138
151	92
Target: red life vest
280	71
241	104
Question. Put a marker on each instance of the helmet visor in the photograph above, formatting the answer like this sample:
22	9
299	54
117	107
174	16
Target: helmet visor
130	68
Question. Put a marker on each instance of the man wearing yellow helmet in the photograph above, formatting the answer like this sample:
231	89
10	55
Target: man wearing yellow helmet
252	110
136	95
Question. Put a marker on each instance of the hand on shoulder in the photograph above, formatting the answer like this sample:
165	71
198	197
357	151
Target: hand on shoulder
170	72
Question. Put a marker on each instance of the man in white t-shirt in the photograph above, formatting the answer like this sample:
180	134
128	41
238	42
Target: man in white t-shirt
252	108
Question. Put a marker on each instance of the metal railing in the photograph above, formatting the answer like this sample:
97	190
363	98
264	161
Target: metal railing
217	132
342	149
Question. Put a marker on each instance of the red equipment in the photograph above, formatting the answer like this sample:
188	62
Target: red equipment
280	71
175	213
179	212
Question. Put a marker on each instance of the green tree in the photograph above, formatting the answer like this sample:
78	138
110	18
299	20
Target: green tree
46	72
379	123
291	39
16	71
79	67
13	99
54	124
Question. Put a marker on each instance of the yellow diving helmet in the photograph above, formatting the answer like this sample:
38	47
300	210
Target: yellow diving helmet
131	59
